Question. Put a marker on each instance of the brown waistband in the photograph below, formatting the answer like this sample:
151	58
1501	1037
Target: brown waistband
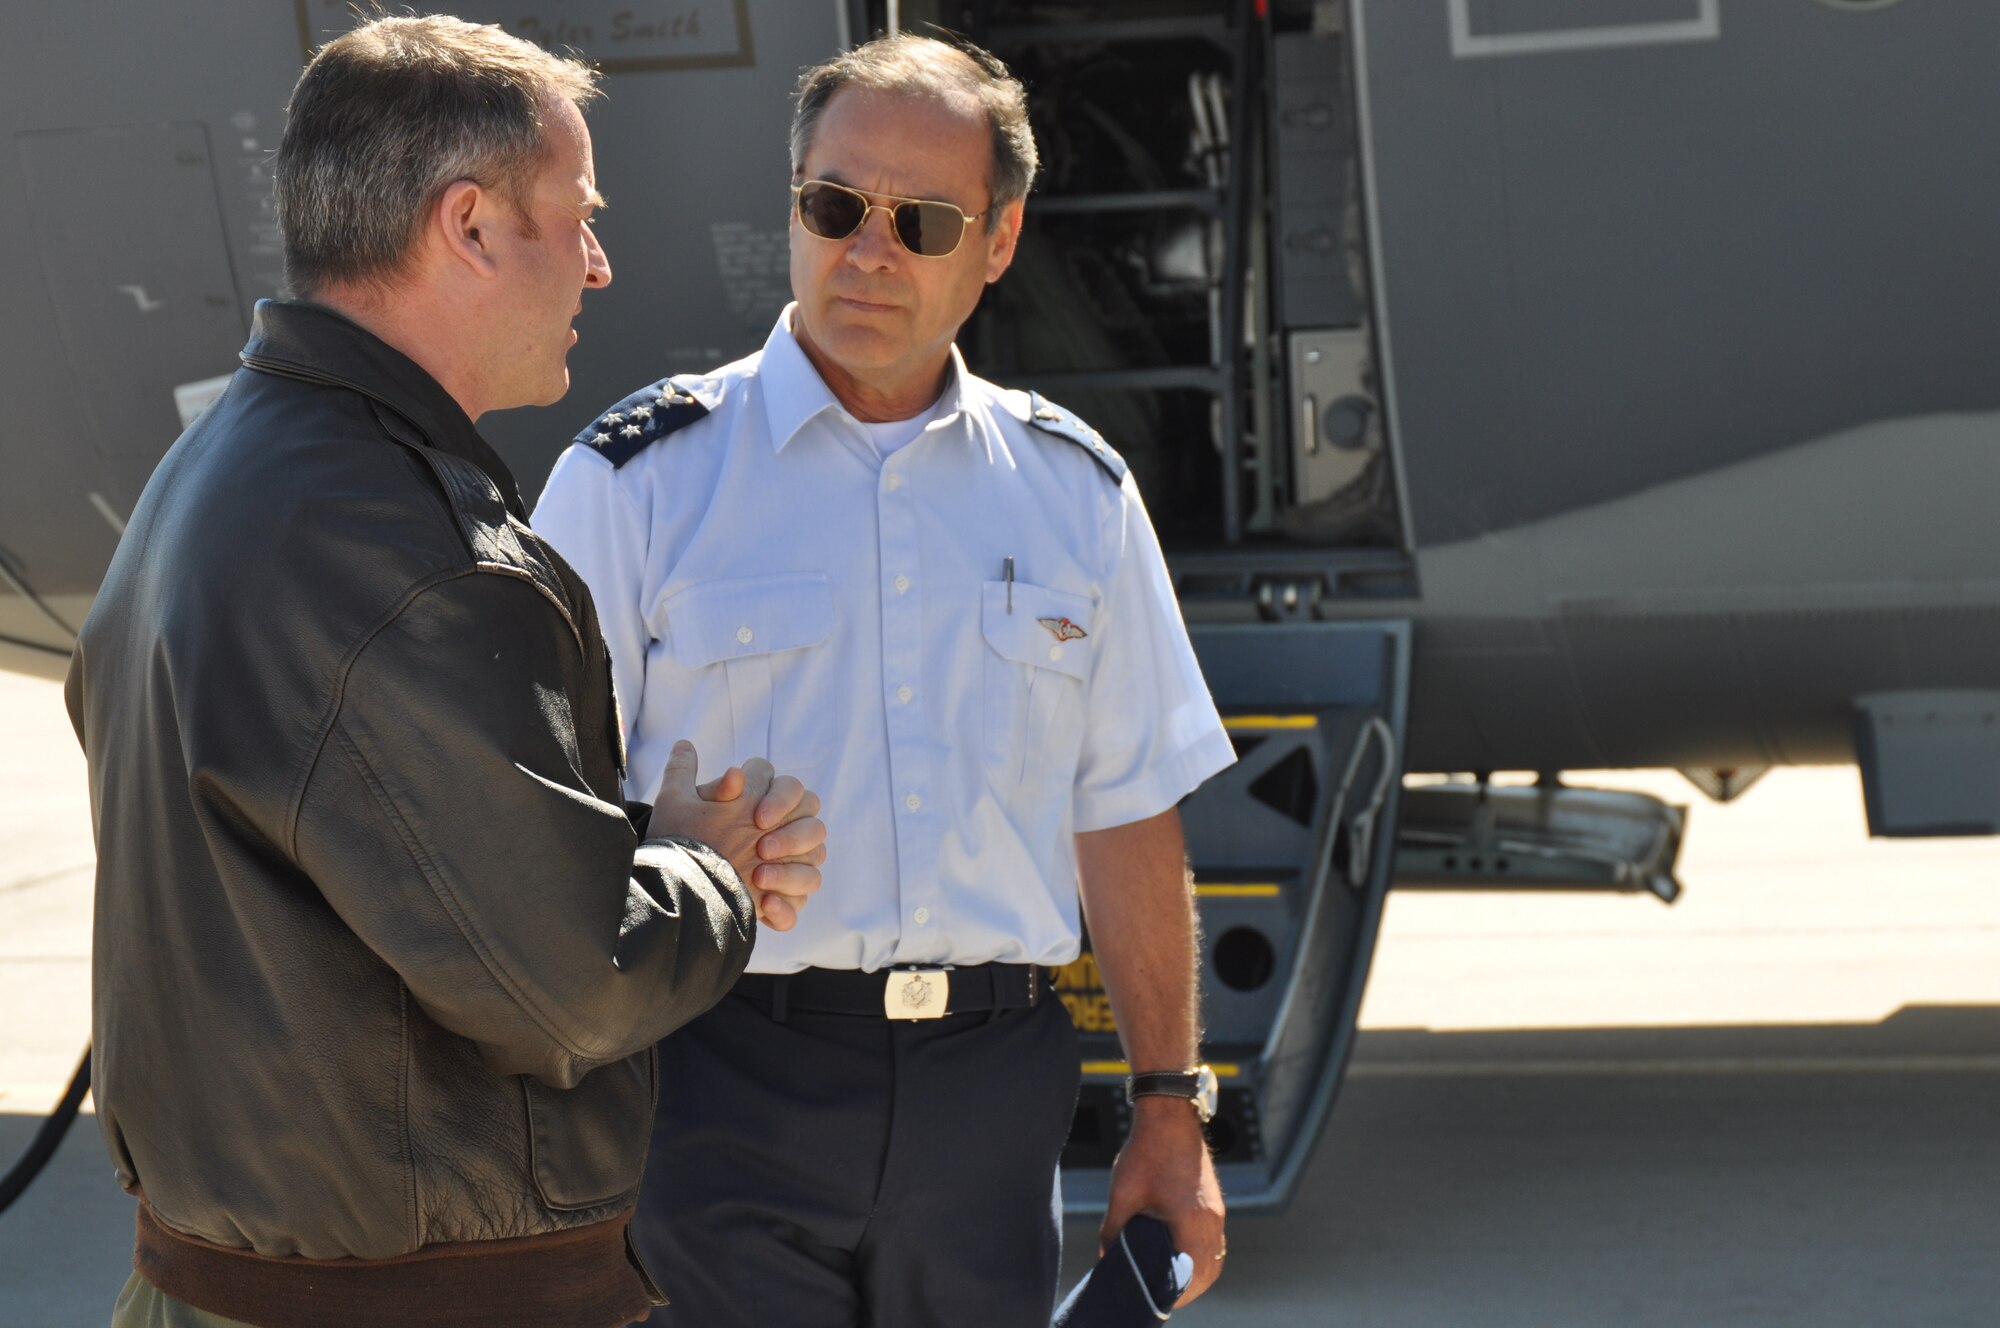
581	1278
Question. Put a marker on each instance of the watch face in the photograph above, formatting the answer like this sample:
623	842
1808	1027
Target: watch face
1205	1095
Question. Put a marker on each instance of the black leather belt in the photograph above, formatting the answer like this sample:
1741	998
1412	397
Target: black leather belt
898	993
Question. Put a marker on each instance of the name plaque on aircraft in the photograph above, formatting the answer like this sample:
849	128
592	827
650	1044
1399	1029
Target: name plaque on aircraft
615	35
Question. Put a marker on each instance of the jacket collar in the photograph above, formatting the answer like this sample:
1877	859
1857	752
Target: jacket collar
314	343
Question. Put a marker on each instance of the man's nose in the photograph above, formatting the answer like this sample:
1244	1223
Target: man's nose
598	273
875	245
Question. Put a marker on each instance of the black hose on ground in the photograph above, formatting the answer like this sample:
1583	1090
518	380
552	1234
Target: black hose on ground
48	1138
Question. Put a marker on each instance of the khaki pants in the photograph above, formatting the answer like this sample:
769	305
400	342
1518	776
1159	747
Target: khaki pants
142	1305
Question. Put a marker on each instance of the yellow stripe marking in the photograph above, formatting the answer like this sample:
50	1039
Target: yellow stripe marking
1259	891
1121	1069
1234	722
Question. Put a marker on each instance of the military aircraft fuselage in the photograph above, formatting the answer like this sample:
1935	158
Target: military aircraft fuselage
1676	339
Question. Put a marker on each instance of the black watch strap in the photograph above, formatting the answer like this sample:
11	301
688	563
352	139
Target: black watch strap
1164	1083
1196	1087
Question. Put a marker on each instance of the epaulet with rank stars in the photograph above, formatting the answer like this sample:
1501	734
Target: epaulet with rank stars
640	420
1047	416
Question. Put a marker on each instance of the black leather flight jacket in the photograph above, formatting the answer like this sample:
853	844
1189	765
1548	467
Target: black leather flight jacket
380	955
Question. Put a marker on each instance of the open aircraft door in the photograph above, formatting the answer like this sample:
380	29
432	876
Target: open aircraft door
1292	852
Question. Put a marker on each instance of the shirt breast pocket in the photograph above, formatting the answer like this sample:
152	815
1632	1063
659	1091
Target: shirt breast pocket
765	636
1037	662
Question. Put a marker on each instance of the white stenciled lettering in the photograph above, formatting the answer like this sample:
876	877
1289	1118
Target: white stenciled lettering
630	34
551	33
629	27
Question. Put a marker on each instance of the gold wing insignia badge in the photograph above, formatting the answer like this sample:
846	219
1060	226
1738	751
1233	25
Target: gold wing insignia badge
1062	629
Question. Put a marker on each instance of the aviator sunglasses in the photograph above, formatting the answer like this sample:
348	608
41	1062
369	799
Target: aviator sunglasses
925	226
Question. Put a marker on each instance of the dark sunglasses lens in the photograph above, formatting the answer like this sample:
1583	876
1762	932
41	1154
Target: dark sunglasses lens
830	213
930	229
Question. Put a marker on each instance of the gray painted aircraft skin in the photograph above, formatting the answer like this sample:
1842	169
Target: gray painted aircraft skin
1690	341
1625	394
1692	349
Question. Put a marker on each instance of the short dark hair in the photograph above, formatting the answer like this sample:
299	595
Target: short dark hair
388	116
911	64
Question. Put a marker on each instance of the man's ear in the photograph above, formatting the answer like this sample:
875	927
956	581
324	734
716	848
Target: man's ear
1000	241
463	225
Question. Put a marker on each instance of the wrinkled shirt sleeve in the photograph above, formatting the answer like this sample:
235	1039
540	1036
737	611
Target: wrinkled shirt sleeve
593	521
1151	731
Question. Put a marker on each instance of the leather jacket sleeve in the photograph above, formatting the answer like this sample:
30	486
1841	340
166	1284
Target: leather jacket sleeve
451	821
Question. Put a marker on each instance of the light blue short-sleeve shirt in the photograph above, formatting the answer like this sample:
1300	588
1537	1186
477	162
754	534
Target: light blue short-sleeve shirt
771	585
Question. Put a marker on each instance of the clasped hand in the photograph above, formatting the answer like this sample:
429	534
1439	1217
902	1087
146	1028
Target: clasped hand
765	823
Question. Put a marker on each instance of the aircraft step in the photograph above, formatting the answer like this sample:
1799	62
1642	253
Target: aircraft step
1291	866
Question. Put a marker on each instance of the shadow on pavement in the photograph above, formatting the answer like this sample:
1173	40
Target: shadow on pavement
1828	1174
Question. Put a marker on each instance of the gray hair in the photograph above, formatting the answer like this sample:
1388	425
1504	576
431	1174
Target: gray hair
388	116
912	65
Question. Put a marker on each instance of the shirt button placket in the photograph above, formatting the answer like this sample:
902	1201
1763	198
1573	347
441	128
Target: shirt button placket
917	828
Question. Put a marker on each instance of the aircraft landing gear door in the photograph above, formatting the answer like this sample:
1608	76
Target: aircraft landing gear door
1291	848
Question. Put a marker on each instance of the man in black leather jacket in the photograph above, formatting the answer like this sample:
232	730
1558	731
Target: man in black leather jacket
380	955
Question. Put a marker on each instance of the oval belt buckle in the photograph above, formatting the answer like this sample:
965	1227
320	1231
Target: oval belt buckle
917	993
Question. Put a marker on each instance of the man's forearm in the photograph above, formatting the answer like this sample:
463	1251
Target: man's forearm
1139	906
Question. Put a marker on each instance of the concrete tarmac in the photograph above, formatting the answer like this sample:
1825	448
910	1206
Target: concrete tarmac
1777	1103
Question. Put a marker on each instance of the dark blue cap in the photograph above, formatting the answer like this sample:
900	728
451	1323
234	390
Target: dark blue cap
1134	1285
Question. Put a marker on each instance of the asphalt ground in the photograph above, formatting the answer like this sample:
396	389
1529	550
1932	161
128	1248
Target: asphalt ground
1776	1103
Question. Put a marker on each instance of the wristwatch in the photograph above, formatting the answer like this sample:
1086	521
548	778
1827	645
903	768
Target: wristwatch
1196	1085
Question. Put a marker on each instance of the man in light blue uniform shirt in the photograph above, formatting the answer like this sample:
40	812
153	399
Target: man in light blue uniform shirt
942	605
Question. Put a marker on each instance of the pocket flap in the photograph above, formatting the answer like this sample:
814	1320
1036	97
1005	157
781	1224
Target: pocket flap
756	615
1048	629
586	1142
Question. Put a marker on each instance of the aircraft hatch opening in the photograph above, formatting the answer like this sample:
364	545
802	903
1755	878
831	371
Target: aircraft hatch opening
1290	891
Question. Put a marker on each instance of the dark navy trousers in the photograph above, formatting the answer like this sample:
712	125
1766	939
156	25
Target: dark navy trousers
830	1171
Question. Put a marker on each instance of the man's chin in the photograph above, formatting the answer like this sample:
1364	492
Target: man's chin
557	389
548	395
861	346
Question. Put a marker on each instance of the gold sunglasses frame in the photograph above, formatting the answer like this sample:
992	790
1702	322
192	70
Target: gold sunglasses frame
868	205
